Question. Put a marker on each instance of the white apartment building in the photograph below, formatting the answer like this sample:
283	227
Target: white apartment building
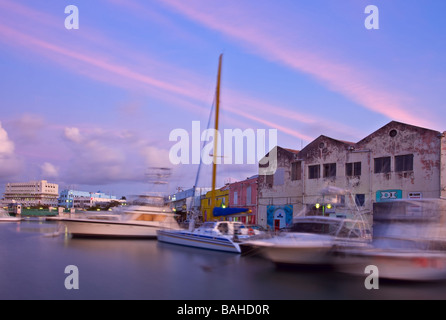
32	193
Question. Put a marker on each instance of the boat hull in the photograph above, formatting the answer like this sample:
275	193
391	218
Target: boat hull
296	249
95	229
403	266
10	219
311	255
185	238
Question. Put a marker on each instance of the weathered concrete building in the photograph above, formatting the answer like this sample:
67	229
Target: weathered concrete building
279	194
396	161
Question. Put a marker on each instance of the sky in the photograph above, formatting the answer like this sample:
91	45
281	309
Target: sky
93	108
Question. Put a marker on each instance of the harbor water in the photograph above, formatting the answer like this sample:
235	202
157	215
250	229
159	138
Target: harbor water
33	259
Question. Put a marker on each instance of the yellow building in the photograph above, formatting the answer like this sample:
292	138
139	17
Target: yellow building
222	196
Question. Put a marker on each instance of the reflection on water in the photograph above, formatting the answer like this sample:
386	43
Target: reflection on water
32	267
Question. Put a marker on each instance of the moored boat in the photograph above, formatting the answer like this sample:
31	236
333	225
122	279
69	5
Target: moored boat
219	235
6	217
408	245
311	240
137	221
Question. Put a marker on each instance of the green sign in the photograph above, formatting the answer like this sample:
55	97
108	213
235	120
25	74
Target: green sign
388	195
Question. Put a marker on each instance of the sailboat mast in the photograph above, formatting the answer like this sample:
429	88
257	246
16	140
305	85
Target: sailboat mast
214	164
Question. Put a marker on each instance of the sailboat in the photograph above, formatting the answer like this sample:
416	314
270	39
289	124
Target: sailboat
213	235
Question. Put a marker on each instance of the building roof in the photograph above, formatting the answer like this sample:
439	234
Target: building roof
395	125
291	150
316	142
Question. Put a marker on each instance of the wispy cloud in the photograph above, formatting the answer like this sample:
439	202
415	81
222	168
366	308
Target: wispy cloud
104	157
90	56
352	81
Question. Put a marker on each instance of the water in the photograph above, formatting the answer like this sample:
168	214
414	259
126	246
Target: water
32	266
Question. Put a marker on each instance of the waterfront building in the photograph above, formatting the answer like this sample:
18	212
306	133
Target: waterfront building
222	200
396	161
243	194
32	193
84	199
186	200
278	194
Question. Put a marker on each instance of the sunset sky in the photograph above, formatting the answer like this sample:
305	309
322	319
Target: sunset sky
92	108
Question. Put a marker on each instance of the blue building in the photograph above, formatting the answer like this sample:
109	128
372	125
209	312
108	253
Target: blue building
83	199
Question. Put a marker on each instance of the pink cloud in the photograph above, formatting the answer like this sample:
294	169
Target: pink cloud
128	69
255	35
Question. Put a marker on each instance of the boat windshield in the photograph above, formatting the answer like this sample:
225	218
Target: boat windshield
315	227
337	229
208	225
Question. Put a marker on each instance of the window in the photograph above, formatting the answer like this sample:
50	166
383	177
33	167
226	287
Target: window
248	195
329	170
360	200
269	179
353	169
296	168
382	165
235	197
314	172
404	163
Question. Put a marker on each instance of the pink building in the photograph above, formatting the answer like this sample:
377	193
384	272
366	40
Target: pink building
243	194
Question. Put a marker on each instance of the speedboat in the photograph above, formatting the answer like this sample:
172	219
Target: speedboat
408	244
219	235
136	221
6	217
311	240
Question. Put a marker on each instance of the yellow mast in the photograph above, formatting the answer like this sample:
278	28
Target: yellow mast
214	165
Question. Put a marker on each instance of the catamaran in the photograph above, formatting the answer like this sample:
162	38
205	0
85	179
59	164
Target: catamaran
213	235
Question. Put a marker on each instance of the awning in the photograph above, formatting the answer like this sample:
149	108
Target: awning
218	211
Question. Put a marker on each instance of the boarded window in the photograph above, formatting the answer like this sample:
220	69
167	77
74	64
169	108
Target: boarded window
360	200
329	170
382	165
404	163
248	195
296	170
353	169
314	172
269	179
279	177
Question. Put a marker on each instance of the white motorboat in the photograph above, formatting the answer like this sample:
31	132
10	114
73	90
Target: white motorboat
397	264
137	221
219	235
6	217
311	240
409	243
